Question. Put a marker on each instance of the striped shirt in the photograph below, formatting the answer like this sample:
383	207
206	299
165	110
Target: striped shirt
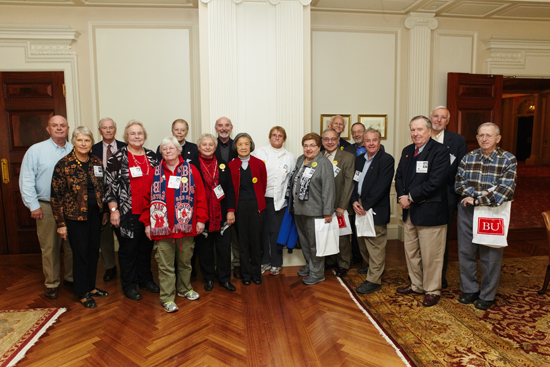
477	173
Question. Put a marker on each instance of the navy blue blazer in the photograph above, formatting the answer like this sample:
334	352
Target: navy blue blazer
457	147
190	152
375	192
232	152
427	190
97	148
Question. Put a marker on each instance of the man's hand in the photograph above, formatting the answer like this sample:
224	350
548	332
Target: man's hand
339	212
328	218
358	208
230	218
404	201
37	214
467	201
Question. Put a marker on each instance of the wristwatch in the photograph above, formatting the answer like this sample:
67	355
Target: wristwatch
114	209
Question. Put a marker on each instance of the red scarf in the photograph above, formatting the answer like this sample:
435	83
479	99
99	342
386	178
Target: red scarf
211	175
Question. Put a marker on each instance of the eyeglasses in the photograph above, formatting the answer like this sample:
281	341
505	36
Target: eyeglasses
179	130
168	149
330	139
139	133
485	136
312	146
108	128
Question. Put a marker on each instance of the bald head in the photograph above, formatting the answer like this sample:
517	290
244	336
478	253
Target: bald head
223	128
58	128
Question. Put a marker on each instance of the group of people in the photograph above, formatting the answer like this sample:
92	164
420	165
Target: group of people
228	200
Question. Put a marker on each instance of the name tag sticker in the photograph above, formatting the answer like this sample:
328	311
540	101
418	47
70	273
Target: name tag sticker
452	158
174	182
136	172
218	191
98	171
357	176
336	170
422	167
308	172
283	166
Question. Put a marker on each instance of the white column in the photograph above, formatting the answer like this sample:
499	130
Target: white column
421	26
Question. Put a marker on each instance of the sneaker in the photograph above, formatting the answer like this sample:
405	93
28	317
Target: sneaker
190	295
170	307
303	272
265	267
275	270
368	288
311	280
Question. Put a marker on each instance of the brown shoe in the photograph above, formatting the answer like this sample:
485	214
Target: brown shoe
341	272
51	293
406	290
237	273
430	300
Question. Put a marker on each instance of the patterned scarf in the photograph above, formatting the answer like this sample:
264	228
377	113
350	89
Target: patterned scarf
184	197
211	174
304	181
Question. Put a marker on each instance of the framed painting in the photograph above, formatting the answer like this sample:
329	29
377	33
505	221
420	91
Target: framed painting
378	122
327	118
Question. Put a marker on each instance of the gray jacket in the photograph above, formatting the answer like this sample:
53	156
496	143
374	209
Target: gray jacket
321	188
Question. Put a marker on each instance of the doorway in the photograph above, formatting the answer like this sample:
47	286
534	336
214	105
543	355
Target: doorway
27	101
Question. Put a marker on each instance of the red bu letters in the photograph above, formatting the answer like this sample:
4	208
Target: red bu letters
491	226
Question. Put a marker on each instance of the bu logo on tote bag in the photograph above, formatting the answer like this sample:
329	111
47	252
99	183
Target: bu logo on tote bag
491	226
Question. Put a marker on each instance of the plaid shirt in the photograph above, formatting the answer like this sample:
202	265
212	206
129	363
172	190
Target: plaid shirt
477	173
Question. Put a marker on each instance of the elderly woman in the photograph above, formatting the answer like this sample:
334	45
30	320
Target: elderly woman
189	151
175	212
77	205
311	190
279	163
249	181
128	175
214	249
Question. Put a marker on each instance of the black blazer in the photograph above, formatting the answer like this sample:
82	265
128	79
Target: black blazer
457	147
232	152
352	148
228	202
428	190
375	192
189	153
97	148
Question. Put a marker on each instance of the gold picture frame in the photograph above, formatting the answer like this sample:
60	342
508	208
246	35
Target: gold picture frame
326	119
378	122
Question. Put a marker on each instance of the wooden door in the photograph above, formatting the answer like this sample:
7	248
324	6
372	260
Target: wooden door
27	101
473	99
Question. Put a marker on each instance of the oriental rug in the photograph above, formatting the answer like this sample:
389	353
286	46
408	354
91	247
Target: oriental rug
20	329
514	332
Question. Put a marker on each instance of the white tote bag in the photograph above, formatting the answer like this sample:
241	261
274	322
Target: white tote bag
365	224
327	236
490	227
344	224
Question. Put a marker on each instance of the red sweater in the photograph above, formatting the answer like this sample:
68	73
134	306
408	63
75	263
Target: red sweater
200	208
259	174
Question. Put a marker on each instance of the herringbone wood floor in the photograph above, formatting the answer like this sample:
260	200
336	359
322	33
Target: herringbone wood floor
279	323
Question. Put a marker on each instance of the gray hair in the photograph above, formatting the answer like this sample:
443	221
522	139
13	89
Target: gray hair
373	130
84	131
106	119
329	129
441	108
497	129
421	117
207	136
335	116
170	140
244	135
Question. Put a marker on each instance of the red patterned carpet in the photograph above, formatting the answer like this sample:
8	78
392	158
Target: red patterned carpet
532	196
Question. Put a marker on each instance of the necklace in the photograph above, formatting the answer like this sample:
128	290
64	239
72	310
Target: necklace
213	176
78	161
137	162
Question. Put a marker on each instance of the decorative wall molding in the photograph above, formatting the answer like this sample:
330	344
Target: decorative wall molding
513	55
414	20
46	48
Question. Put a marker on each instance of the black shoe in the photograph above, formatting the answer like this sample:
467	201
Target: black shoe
109	274
257	281
237	273
484	305
468	298
133	294
99	293
89	302
444	284
368	288
51	293
68	283
356	261
341	272
209	285
364	270
151	287
246	281
228	286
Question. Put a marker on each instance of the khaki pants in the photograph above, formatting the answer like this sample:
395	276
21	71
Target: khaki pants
168	250
424	251
50	245
373	251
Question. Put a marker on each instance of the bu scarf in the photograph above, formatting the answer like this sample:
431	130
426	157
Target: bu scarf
184	197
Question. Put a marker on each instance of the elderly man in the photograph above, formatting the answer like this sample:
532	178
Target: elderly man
372	191
343	163
225	152
420	183
35	182
440	117
485	177
338	124
104	150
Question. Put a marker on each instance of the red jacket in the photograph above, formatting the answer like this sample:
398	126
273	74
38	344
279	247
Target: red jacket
200	208
258	171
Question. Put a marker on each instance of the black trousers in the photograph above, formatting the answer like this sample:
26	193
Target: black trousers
249	230
214	254
272	253
134	256
84	238
452	200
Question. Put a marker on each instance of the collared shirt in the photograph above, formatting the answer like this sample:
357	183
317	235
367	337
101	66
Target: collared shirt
224	149
477	173
365	170
114	148
360	150
421	148
439	137
35	179
330	156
